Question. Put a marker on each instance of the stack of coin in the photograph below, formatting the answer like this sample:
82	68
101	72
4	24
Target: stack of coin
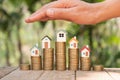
85	63
73	59
60	54
48	57
24	67
98	67
36	62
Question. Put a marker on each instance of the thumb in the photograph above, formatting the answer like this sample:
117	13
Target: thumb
58	13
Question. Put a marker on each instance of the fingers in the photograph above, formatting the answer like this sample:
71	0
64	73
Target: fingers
45	19
41	9
41	13
36	17
58	13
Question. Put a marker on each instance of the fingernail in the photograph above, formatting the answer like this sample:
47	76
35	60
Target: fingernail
50	12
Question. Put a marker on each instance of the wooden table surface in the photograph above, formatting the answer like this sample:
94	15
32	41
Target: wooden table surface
12	73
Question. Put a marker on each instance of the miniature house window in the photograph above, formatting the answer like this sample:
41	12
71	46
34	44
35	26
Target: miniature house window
83	53
61	35
32	51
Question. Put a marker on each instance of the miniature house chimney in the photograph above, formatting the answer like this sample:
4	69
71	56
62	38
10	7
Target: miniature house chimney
74	37
37	44
87	46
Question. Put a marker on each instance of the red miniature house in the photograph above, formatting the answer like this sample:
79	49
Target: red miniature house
85	51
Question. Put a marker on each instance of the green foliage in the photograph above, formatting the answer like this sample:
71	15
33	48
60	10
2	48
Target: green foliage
1	1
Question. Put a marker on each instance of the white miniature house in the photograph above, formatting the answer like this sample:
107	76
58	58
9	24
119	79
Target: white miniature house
85	51
73	43
61	36
46	42
35	51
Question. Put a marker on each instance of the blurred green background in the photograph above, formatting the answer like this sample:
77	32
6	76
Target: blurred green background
17	37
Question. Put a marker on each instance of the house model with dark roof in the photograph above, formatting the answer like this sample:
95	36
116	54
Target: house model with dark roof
46	42
35	50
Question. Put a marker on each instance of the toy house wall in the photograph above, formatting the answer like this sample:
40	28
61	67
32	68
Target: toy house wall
33	51
73	44
61	36
83	53
46	43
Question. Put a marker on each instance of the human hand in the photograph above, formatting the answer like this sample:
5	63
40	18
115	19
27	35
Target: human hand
71	10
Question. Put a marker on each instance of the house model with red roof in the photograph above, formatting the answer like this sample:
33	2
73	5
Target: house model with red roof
35	50
73	43
85	51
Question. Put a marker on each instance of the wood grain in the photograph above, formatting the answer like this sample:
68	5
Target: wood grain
23	75
6	70
58	75
114	73
92	75
16	74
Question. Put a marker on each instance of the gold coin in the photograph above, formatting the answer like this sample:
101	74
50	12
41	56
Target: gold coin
48	49
58	44
73	68
84	58
36	66
85	69
98	68
73	51
60	68
24	67
35	59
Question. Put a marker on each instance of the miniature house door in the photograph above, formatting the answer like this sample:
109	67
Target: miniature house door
74	45
86	53
36	52
46	44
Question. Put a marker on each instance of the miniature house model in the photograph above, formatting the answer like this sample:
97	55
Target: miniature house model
85	51
46	42
61	36
73	43
35	51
